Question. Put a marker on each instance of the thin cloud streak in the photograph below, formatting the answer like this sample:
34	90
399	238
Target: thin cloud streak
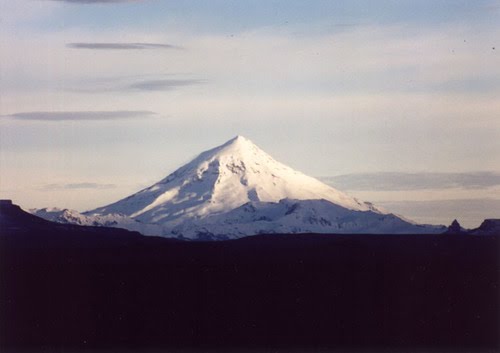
81	115
163	85
121	46
127	85
76	186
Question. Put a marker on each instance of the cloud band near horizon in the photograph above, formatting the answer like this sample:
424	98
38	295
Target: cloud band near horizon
394	181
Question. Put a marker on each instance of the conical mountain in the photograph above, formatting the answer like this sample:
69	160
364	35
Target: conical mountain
222	179
237	189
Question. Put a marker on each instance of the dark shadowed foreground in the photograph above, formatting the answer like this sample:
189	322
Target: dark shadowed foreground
69	288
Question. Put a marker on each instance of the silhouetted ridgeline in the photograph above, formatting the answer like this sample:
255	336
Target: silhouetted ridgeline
70	288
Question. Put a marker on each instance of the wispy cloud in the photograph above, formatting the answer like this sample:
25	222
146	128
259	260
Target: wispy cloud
162	85
390	181
121	84
81	115
72	186
121	46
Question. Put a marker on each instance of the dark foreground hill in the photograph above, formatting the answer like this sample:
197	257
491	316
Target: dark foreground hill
68	289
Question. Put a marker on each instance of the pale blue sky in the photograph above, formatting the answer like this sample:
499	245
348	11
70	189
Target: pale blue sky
226	16
116	94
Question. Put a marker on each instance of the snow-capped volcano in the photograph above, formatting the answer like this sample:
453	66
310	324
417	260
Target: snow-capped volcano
222	179
210	197
235	190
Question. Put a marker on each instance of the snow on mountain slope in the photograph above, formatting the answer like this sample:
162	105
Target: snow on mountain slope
67	216
297	216
220	180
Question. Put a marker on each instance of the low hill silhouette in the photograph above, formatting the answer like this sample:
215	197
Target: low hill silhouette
83	288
